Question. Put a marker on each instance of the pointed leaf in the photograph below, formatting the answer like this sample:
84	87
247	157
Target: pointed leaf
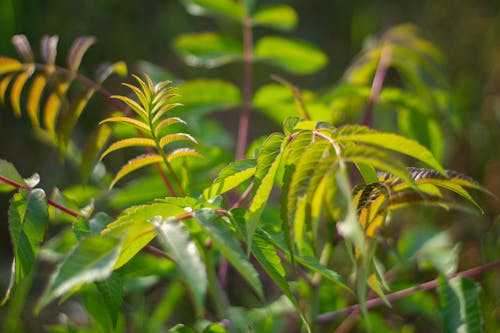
28	220
133	105
130	121
294	56
92	260
165	123
281	17
9	171
134	164
267	165
230	177
8	65
169	138
97	140
183	152
176	240
227	244
4	84
33	102
77	50
131	142
396	143
55	102
220	8
208	49
16	89
459	303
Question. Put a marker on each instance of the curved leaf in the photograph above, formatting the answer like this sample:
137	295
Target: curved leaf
133	105
208	49
16	89
228	245
55	102
281	17
23	48
167	122
169	138
127	120
77	50
92	260
230	177
33	102
8	65
175	239
221	8
183	152
132	142
106	69
294	56
4	84
134	164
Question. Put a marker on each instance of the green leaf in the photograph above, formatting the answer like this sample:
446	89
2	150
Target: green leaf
183	152
8	65
141	126
134	226
459	304
131	142
96	141
77	50
169	138
208	95
28	220
281	17
294	56
9	171
92	260
267	166
208	49
134	164
396	143
176	240
181	328
230	177
220	8
228	245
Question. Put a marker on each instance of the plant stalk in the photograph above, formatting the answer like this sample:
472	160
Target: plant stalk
246	89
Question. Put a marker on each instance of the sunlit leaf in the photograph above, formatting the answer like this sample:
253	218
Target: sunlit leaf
106	69
4	84
77	50
134	164
16	89
169	138
55	101
220	8
230	177
33	102
228	245
280	17
294	56
208	49
127	120
176	240
183	152
9	171
92	260
131	142
133	105
8	65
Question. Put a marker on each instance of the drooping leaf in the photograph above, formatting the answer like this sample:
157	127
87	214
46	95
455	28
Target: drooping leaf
55	102
33	102
459	304
134	164
92	260
176	240
281	17
16	89
28	220
220	8
294	56
230	177
8	65
4	84
228	245
267	165
208	49
77	51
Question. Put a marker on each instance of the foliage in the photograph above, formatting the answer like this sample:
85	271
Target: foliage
288	214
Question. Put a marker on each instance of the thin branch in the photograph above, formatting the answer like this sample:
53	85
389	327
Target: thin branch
371	303
247	88
378	81
243	197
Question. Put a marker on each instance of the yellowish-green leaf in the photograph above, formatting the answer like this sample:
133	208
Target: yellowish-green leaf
183	152
53	106
143	97
169	138
8	65
17	87
280	17
167	122
92	149
33	102
133	105
230	177
134	164
131	142
220	8
77	50
127	120
4	84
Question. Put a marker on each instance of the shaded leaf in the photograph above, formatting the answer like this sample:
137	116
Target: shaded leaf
127	120
208	49
294	56
220	8
183	152
77	50
4	84
16	89
106	69
9	171
23	48
48	49
92	260
94	144
176	240
131	142
280	17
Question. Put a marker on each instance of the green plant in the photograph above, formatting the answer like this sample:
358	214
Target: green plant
180	226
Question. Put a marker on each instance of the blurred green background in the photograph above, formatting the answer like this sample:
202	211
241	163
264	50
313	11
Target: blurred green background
467	31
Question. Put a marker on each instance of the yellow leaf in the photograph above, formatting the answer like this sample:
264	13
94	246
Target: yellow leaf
134	164
133	105
3	87
169	138
17	87
183	152
33	102
132	142
127	120
167	122
9	65
53	106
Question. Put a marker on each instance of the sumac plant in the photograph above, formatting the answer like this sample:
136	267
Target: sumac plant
289	235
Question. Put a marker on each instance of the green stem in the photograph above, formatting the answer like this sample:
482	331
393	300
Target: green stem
247	88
